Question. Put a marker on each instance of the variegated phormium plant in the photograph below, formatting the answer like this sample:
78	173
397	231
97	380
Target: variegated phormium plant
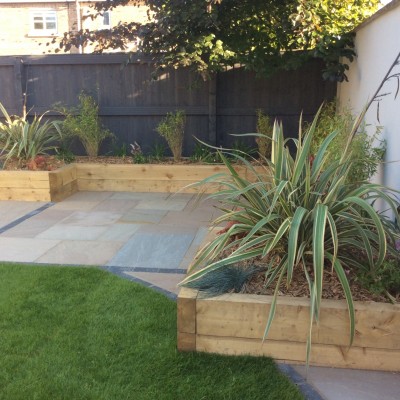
23	139
299	211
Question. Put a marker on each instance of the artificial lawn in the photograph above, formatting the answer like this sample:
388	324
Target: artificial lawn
83	333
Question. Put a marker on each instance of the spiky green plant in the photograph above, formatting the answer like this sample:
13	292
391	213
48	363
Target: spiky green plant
298	211
229	278
24	140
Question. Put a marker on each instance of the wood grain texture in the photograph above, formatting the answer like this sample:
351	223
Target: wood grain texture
25	194
295	352
147	177
235	315
235	323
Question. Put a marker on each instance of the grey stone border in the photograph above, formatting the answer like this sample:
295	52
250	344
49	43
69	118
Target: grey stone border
150	270
25	217
120	271
305	388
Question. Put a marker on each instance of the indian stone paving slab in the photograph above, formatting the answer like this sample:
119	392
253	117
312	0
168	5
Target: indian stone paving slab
155	247
24	249
80	252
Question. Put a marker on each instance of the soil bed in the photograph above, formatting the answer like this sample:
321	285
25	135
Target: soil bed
51	163
332	288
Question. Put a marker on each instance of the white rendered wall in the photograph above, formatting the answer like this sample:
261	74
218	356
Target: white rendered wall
377	45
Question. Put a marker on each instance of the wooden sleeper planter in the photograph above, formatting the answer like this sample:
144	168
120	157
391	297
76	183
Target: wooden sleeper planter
38	185
234	324
59	184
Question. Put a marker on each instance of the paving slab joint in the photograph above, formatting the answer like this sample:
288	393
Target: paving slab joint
305	388
120	272
31	214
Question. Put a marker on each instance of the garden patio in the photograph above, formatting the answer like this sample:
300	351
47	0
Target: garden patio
104	293
148	238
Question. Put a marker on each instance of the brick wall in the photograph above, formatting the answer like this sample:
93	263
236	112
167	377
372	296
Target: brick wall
15	31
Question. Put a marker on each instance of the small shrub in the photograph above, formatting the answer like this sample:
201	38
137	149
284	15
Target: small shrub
264	128
366	156
139	159
386	281
84	124
25	140
137	154
172	128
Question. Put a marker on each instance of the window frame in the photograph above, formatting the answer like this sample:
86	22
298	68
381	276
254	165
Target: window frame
47	16
102	25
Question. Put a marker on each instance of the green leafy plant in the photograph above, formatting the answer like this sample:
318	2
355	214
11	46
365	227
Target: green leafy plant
25	140
137	153
172	128
65	155
367	150
241	148
157	152
139	159
263	36
299	213
264	127
84	124
386	281
202	153
121	151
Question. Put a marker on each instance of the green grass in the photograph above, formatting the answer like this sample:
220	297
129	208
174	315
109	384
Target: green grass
82	333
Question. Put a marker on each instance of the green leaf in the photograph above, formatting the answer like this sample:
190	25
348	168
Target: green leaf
271	315
293	240
347	291
320	216
378	225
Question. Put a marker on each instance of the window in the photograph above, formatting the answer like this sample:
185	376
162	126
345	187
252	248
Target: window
43	23
106	20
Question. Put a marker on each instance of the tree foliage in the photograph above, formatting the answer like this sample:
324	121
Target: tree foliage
209	35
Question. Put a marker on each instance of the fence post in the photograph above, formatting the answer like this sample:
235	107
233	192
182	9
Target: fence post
212	110
18	86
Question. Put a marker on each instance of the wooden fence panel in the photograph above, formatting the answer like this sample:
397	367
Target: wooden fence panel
11	86
284	97
132	103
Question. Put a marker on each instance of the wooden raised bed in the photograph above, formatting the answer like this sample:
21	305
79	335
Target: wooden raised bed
234	324
38	185
59	184
144	177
